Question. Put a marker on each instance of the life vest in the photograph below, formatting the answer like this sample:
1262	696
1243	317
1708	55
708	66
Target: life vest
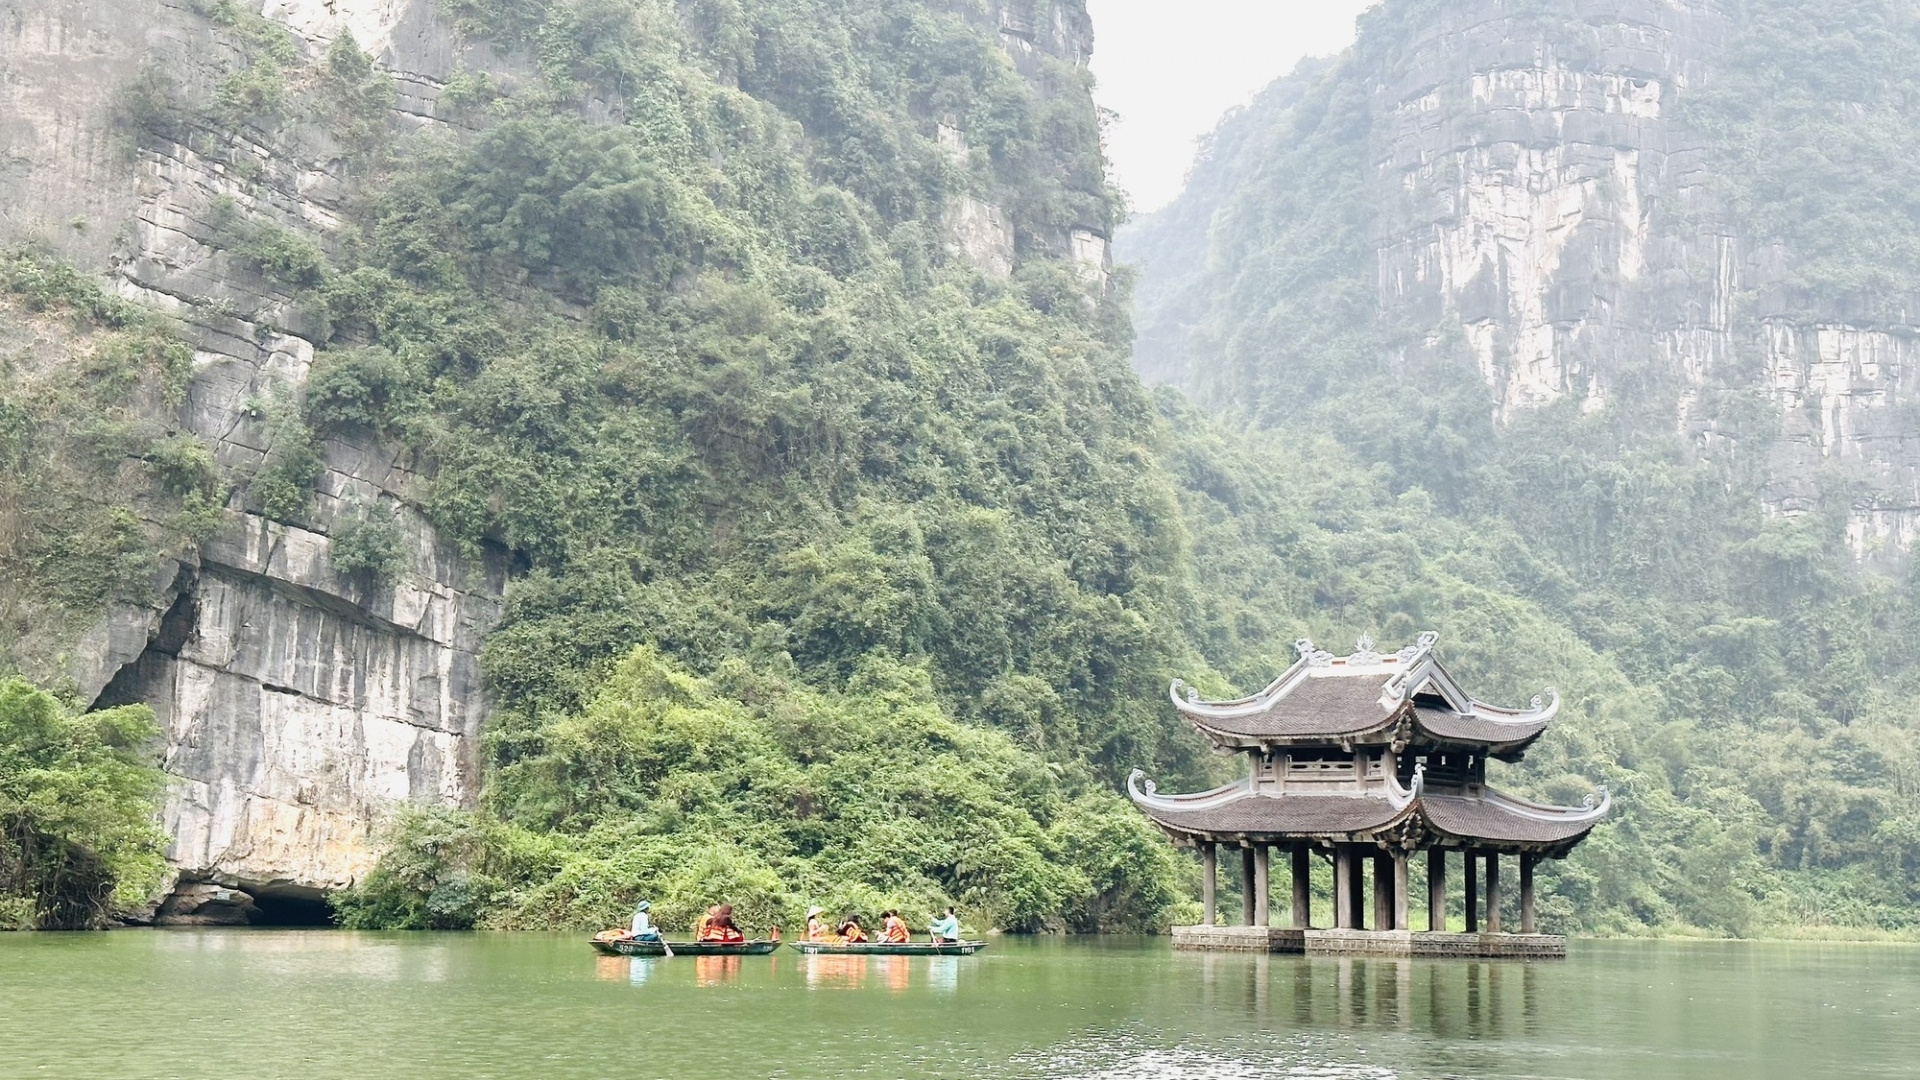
895	932
855	934
719	932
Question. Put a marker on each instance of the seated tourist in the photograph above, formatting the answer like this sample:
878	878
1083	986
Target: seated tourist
817	928
717	925
850	931
946	928
893	929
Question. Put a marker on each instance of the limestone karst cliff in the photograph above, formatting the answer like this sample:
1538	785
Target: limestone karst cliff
1581	199
182	153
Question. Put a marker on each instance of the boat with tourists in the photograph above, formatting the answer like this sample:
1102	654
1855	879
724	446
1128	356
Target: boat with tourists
619	944
890	948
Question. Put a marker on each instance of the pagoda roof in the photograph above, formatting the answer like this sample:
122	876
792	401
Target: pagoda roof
1406	696
1475	816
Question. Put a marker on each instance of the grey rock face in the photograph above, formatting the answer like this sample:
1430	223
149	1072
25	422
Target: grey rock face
298	706
1539	200
203	904
1518	190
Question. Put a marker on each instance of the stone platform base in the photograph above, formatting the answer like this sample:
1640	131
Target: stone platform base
1496	946
1359	942
1267	939
1276	939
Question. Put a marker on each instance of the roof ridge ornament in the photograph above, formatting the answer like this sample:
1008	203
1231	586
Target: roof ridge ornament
1424	643
1139	776
1313	655
1363	651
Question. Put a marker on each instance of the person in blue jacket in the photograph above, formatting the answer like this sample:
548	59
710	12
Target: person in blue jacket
946	928
643	928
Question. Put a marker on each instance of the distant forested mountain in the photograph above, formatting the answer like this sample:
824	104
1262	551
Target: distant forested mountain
1611	304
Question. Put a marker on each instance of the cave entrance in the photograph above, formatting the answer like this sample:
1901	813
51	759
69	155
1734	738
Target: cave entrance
292	909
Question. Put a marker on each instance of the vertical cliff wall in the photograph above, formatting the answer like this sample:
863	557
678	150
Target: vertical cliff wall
298	702
1554	192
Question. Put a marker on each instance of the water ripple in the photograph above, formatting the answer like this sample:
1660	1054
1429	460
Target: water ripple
1123	1056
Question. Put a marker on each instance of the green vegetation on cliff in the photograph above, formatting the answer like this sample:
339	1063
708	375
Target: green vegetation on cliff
93	486
889	532
1812	114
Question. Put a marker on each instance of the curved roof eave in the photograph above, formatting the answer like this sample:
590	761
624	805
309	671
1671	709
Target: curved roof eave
1241	738
1495	817
1536	712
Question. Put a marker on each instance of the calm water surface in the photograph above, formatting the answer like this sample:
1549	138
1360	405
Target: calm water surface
241	1003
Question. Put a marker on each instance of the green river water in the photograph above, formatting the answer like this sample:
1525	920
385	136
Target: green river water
262	1003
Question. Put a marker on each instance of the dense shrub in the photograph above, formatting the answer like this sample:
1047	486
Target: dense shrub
78	797
758	789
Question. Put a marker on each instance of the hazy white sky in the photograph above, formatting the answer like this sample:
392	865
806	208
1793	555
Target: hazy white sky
1171	68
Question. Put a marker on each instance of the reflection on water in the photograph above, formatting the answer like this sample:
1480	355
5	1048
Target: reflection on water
943	973
836	972
539	1007
1455	999
716	970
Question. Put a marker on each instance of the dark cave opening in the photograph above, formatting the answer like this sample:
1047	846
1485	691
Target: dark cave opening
286	909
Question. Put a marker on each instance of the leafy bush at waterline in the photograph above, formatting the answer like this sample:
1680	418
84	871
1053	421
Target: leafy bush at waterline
754	788
77	801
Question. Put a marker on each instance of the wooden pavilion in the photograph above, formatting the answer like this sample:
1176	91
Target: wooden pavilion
1369	757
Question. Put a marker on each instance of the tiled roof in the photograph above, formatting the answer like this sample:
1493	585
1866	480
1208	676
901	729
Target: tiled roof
1325	698
1328	705
1299	815
1489	817
1450	726
1493	819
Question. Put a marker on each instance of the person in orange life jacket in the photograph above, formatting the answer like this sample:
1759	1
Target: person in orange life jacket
850	931
817	928
893	929
717	925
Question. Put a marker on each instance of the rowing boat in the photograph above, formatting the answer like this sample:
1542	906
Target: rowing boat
888	948
630	947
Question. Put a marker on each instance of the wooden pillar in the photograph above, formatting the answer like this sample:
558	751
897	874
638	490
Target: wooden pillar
1357	888
1493	892
1473	891
1261	915
1526	892
1342	887
1209	880
1246	886
1436	888
1302	887
1382	891
1400	921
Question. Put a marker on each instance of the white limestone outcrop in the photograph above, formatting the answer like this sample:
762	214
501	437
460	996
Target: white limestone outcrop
298	707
